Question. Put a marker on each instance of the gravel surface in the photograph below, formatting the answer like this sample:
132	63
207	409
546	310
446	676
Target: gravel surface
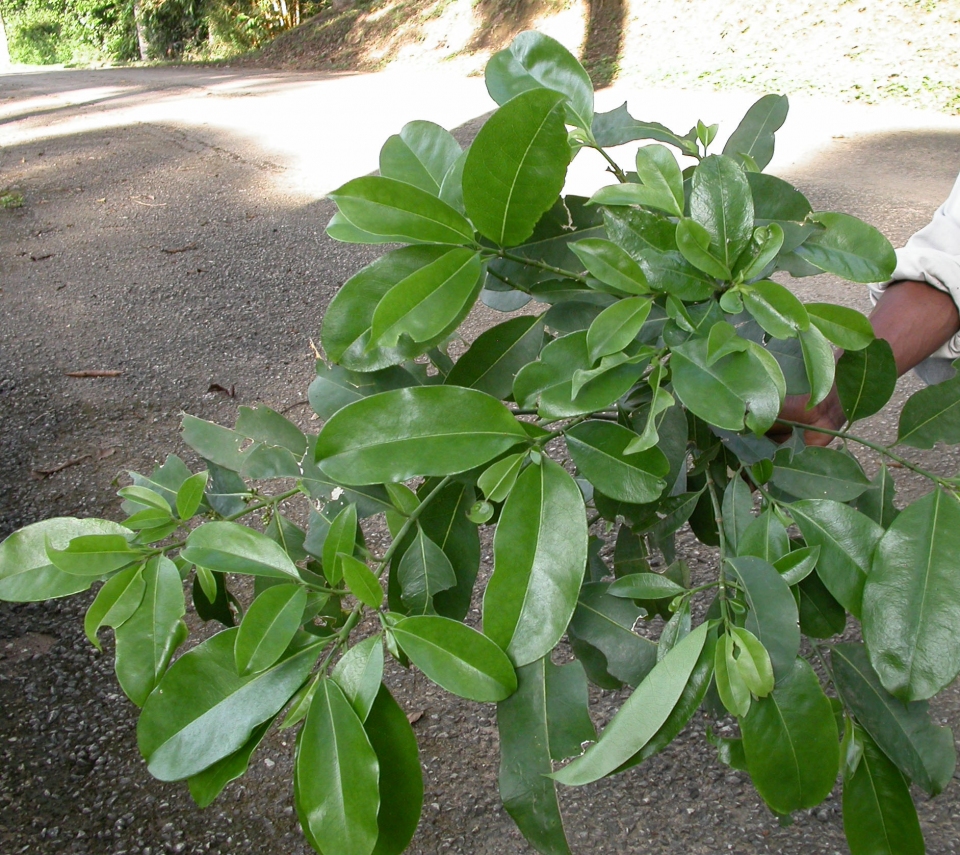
185	257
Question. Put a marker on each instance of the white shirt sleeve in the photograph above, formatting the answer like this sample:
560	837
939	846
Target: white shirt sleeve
932	255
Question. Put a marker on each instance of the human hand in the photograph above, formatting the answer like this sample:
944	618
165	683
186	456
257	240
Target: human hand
827	414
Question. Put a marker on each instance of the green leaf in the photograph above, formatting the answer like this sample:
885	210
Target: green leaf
775	308
766	538
721	202
341	539
866	380
203	710
348	321
911	599
425	303
849	248
421	155
264	425
640	233
821	616
753	662
820	473
731	687
846	328
146	497
618	127
931	415
205	786
601	634
190	494
496	356
693	241
598	450
735	388
396	212
818	363
774	200
922	750
645	586
147	639
400	779
359	672
791	743
773	617
763	250
498	480
540	554
545	718
755	134
516	166
847	540
336	777
878	813
424	571
737	511
612	265
457	657
877	502
361	581
795	566
535	61
443	430
268	627
228	547
659	172
116	601
26	573
216	444
617	326
93	555
641	716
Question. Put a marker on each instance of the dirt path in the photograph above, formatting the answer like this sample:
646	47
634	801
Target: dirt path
172	231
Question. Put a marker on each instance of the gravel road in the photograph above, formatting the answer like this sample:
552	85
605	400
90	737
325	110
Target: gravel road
172	231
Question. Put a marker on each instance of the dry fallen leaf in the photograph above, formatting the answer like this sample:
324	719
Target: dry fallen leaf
93	373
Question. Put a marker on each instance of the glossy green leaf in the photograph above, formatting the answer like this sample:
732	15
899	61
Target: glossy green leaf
761	253
457	657
516	166
205	786
796	565
203	710
931	415
866	379
93	555
217	444
911	599
879	817
640	232
190	494
428	301
147	639
26	573
849	248
397	212
818	363
753	662
533	61
791	743
146	497
877	502
618	127
341	539
539	553
922	750
268	627
772	617
755	134
846	328
721	202
737	510
426	430
645	586
601	634
612	265
641	715
421	154
775	308
265	425
228	547
617	326
361	580
821	616
820	473
693	241
359	672
497	481
659	171
116	601
336	777
766	538
400	776
847	540
731	687
546	718
348	321
423	572
496	356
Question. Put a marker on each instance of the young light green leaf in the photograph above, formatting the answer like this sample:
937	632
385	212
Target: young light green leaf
533	61
421	155
457	657
659	171
93	555
753	662
658	198
498	479
911	599
539	553
755	134
612	265
791	743
693	241
795	566
766	538
268	627
361	580
617	326
641	716
116	601
731	687
516	166
341	539
228	547
190	494
423	572
443	430
146	497
336	777
645	586
359	672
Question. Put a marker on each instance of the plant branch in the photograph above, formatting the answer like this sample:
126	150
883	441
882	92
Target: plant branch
273	500
410	521
540	265
614	166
